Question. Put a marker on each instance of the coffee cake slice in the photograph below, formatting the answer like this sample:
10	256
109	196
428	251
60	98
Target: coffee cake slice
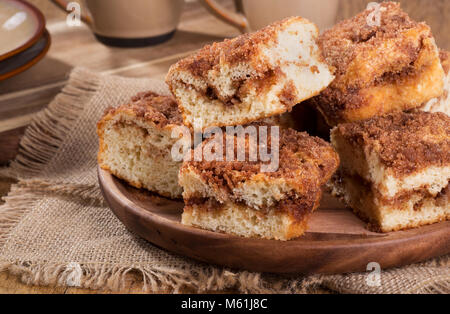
251	77
236	197
380	68
135	143
395	169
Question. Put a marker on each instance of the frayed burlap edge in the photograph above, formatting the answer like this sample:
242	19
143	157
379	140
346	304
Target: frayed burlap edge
89	193
434	284
108	277
112	277
50	126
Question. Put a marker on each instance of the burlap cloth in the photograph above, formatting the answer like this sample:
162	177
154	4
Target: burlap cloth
55	228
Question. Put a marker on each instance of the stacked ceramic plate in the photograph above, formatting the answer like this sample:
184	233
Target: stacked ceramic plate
24	41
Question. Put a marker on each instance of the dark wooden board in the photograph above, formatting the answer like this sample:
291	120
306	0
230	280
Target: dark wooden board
336	241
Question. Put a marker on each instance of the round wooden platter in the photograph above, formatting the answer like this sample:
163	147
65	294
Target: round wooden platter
336	240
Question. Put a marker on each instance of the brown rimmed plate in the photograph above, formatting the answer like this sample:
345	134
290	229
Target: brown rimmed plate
21	26
336	241
25	59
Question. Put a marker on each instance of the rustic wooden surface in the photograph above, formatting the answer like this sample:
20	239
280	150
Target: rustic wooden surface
22	96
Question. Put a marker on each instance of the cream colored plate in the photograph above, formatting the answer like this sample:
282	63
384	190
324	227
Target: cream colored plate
21	25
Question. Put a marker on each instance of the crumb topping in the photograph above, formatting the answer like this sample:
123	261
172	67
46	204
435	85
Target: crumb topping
305	161
404	142
394	53
161	110
288	95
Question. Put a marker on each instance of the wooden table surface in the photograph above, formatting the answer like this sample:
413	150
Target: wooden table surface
27	93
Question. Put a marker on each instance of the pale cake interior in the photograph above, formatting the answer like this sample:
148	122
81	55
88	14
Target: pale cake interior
140	153
390	67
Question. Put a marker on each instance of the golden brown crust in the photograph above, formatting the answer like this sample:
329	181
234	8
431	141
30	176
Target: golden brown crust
404	142
444	56
306	162
159	109
354	38
374	62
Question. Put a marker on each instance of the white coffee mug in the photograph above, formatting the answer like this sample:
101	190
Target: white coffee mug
130	23
255	14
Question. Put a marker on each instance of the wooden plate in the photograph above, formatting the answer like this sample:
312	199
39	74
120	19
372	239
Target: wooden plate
25	59
27	25
337	241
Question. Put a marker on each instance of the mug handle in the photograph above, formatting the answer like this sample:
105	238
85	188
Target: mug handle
63	4
235	19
